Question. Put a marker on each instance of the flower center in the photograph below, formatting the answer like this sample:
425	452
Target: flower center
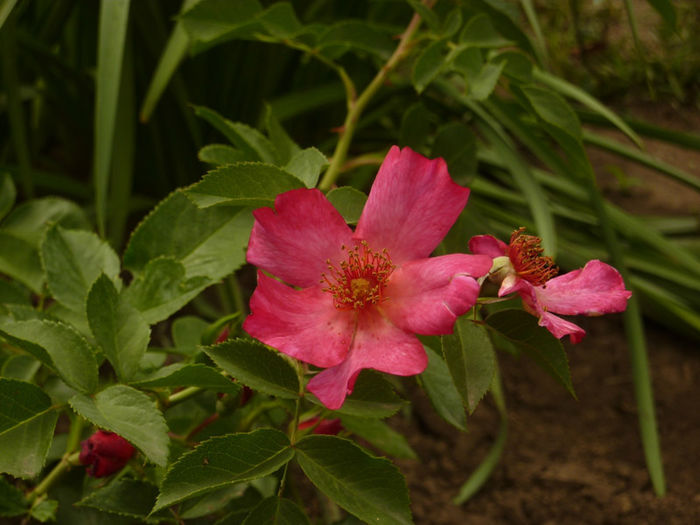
525	254
360	279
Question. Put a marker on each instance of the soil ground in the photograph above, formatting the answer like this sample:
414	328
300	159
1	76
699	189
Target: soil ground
568	461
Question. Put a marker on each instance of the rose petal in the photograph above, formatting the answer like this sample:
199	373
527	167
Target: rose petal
294	241
300	323
427	296
411	206
595	289
487	245
379	345
559	327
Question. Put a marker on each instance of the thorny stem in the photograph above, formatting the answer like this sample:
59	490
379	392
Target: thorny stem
356	107
64	464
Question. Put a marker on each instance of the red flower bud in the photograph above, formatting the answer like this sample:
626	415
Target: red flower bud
326	426
222	336
105	453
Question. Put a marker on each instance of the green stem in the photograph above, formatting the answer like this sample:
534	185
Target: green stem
183	395
66	462
355	108
76	429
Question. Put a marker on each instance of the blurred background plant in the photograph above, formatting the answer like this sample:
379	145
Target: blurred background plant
115	104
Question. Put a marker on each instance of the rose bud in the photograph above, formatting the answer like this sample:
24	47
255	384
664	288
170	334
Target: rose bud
105	453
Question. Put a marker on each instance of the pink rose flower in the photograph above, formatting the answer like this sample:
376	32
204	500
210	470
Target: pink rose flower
595	289
345	301
105	453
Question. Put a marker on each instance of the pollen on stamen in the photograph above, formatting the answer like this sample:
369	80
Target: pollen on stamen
525	254
359	280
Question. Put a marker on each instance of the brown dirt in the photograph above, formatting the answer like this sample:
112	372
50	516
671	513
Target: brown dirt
568	461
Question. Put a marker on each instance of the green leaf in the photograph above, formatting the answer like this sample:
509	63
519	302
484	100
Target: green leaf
177	375
20	366
214	501
277	511
441	390
30	219
220	154
243	184
19	259
131	414
356	35
553	109
517	66
416	126
521	328
123	496
45	510
456	143
306	165
256	366
207	242
8	193
27	422
249	140
426	14
213	21
428	65
118	327
280	20
349	202
573	91
162	289
479	32
371	488
481	86
470	358
12	502
114	19
379	434
73	260
222	461
372	396
57	346
187	333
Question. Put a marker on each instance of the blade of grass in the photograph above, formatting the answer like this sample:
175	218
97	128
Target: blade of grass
173	54
641	158
123	158
634	328
680	138
541	43
576	93
18	129
486	467
6	7
114	18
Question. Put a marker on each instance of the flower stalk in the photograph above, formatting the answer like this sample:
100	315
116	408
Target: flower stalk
356	107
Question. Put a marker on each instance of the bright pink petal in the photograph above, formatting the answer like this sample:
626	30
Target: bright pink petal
294	241
411	206
427	296
595	289
379	345
300	323
487	245
559	327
